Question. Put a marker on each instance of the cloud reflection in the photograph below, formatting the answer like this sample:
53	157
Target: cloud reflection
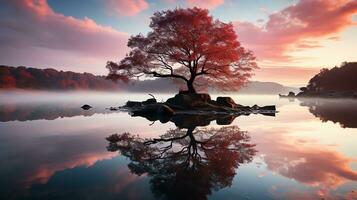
321	167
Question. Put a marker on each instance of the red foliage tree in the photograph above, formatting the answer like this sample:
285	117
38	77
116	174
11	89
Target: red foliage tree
190	46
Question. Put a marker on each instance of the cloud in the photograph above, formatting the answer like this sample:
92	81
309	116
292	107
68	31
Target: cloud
32	31
209	4
128	7
297	27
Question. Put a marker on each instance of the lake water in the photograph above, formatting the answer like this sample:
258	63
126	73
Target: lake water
52	149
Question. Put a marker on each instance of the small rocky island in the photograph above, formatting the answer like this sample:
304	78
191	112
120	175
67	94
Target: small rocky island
192	104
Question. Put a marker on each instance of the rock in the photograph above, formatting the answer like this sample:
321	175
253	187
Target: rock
264	108
225	120
271	107
271	114
86	107
132	104
113	109
188	100
191	121
149	101
255	107
291	94
226	101
153	112
162	109
158	108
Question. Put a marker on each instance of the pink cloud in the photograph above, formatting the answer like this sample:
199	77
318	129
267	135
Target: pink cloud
209	4
297	27
32	31
128	7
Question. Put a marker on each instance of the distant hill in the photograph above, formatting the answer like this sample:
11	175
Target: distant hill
257	87
51	79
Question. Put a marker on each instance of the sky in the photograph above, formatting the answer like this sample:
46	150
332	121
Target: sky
292	39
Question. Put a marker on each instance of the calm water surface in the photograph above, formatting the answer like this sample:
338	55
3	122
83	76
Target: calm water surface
52	149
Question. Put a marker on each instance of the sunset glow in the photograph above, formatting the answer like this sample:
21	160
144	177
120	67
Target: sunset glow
178	99
298	37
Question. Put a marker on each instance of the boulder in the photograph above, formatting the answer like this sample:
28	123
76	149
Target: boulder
188	100
191	121
149	101
113	109
158	108
225	120
264	108
132	104
291	94
153	112
86	107
269	108
255	107
226	101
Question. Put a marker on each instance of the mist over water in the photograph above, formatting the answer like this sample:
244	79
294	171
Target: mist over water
50	147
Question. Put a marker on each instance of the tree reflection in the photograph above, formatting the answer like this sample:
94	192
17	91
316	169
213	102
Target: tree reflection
186	163
342	111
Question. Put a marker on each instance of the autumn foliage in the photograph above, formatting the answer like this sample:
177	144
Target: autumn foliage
190	47
51	79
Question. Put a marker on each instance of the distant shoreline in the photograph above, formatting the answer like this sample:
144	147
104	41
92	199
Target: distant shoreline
33	79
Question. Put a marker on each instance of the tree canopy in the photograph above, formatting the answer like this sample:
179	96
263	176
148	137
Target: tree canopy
335	79
190	47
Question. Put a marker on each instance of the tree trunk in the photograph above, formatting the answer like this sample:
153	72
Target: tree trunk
190	88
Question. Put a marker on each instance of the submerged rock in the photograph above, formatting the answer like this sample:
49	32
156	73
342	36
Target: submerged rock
86	107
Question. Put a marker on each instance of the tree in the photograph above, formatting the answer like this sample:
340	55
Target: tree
189	46
186	164
336	79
